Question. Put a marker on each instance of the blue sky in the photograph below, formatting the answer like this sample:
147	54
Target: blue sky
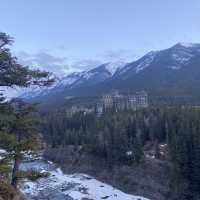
84	32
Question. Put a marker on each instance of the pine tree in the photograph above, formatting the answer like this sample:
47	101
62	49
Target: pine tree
17	131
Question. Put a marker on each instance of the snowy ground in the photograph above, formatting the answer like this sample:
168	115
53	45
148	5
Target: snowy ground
59	186
2	153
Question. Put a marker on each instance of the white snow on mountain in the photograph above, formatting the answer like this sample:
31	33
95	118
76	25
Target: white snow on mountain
34	91
115	66
72	80
142	63
182	53
146	62
179	55
182	57
187	45
69	79
76	78
88	74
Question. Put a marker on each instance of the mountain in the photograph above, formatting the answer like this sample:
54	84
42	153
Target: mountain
76	79
172	72
174	69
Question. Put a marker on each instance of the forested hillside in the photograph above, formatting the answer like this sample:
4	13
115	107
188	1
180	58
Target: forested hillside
168	135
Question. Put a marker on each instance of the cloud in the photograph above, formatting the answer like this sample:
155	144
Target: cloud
60	66
116	55
44	61
85	64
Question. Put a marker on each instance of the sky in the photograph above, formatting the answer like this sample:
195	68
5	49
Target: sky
67	35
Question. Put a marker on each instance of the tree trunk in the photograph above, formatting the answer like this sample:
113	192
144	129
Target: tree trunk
157	150
14	181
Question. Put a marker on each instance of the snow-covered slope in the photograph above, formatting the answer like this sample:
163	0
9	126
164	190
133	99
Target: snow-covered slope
58	86
68	187
76	79
177	57
188	45
182	53
115	66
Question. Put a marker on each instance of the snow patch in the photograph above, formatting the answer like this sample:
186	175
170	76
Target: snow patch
115	66
129	153
3	153
187	45
182	57
146	62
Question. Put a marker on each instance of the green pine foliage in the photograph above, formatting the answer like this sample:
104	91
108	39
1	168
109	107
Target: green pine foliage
18	122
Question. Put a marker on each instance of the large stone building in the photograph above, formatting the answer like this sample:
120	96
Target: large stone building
119	102
113	102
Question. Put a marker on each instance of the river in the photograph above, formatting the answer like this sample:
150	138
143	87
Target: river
60	186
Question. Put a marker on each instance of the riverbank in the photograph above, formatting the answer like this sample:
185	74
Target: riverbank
61	186
149	179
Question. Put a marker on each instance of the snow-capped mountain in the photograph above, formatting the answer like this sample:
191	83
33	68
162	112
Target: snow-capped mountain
175	57
173	71
76	79
141	64
115	67
182	53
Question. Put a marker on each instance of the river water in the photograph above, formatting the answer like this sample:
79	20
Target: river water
60	186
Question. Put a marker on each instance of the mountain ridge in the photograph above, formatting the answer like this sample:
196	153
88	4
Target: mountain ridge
173	70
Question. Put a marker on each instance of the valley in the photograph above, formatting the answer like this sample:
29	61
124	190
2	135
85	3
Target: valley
100	100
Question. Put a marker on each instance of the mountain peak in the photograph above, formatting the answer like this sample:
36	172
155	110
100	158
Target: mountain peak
187	45
173	59
112	67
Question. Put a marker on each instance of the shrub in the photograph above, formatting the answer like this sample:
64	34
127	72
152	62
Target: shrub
34	175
